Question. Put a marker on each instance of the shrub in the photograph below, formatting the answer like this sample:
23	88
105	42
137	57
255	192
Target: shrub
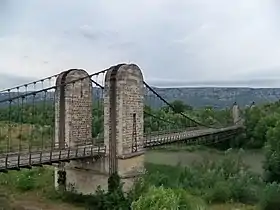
220	193
188	201
140	187
156	199
270	197
26	180
272	152
227	179
245	189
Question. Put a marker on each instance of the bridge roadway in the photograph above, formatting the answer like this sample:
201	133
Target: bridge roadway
15	161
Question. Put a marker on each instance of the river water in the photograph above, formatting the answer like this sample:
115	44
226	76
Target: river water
254	159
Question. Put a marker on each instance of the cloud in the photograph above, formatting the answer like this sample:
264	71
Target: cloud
195	40
11	81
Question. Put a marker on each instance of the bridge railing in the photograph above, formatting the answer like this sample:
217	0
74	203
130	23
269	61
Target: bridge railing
27	116
67	111
31	115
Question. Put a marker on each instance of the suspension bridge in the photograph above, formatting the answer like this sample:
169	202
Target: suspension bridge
90	126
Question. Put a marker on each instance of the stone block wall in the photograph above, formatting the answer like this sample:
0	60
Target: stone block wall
124	95
129	102
235	113
123	125
73	121
73	108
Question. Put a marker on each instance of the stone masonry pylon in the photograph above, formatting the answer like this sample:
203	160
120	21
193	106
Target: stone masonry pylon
123	127
124	121
236	114
73	123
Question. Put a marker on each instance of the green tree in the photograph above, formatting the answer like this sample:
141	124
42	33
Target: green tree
155	199
272	154
180	107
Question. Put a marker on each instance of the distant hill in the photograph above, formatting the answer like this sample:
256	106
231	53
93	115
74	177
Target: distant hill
220	97
196	97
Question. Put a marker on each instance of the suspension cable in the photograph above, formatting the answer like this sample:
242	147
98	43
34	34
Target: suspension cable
172	107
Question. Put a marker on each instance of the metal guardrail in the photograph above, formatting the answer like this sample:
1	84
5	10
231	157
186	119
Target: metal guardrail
27	160
15	161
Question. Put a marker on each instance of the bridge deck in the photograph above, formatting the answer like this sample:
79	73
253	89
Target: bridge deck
27	160
155	139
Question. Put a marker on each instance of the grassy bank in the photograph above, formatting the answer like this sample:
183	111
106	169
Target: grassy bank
217	180
32	189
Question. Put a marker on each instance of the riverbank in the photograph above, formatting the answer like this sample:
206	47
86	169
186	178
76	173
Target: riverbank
34	188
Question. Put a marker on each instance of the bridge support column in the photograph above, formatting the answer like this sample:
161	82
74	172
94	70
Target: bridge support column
236	114
73	127
253	105
123	124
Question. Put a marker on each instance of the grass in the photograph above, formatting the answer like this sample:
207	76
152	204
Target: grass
37	185
169	166
31	200
32	188
232	207
166	168
17	137
223	188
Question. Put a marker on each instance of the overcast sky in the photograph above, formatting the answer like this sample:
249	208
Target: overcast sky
173	41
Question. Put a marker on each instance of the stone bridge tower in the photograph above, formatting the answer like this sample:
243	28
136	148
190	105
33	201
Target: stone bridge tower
236	114
123	126
253	105
124	121
73	118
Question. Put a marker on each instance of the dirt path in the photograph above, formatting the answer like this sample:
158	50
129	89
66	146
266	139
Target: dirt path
32	201
232	207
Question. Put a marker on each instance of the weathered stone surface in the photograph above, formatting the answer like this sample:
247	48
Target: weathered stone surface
124	99
129	97
236	114
73	108
129	101
73	117
131	167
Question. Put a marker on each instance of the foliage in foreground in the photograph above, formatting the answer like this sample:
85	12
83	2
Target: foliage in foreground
166	198
263	130
227	180
221	181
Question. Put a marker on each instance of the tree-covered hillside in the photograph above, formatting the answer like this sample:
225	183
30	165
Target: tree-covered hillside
219	97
